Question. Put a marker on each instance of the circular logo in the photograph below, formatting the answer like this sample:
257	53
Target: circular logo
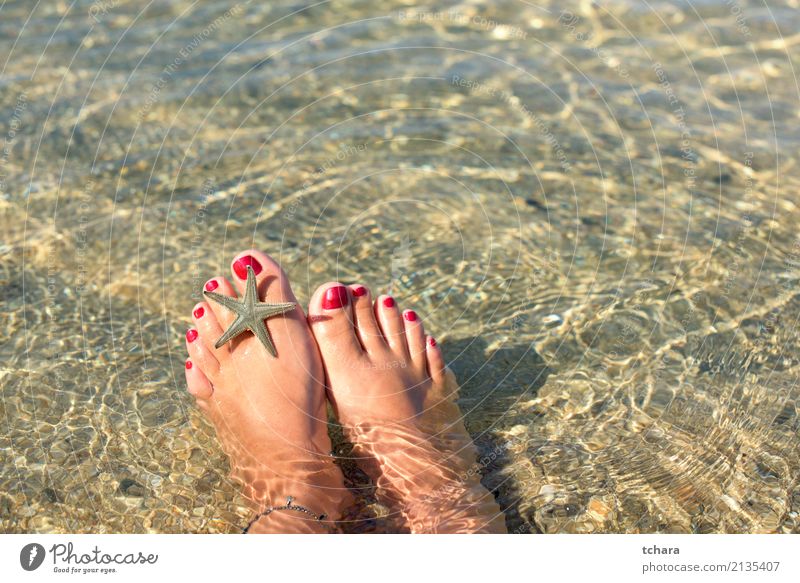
31	556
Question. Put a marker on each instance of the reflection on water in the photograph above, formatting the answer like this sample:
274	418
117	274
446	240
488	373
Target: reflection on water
592	206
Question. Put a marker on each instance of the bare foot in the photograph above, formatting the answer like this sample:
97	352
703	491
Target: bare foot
394	397
269	412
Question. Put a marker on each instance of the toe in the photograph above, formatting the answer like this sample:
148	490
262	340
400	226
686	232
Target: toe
220	285
415	336
289	332
200	354
391	324
198	383
367	328
436	366
273	283
331	319
209	328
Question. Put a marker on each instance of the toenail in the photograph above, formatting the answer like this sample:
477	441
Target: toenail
188	364
191	335
198	313
240	266
211	285
360	291
432	341
335	297
411	316
388	302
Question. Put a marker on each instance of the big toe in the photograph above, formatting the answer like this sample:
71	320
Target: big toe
330	315
199	385
272	282
290	332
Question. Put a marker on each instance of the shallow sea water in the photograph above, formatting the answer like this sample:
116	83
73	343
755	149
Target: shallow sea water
594	208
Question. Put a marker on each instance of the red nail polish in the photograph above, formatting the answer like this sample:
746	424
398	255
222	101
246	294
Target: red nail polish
198	313
212	285
388	302
188	364
191	335
411	316
432	341
359	291
241	264
335	297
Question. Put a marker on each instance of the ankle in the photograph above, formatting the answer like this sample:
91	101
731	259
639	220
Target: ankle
290	517
310	502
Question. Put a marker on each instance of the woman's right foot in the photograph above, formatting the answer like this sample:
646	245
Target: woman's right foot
394	397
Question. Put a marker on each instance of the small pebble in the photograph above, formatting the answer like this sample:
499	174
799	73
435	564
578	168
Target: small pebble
130	487
553	320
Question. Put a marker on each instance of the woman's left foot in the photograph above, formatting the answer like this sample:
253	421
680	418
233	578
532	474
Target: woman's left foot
269	411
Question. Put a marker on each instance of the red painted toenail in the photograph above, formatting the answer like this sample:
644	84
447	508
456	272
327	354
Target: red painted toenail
432	341
388	302
191	335
198	313
188	364
335	297
360	291
411	316
212	285
240	266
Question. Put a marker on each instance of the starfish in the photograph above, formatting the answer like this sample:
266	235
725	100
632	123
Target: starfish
250	313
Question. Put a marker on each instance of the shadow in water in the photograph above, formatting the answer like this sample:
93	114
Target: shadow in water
494	383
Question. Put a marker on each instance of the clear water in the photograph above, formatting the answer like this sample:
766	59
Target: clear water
594	207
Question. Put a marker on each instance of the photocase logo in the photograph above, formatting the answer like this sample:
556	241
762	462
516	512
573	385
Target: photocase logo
67	559
31	556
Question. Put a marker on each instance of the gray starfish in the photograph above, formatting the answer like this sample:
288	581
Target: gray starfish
250	313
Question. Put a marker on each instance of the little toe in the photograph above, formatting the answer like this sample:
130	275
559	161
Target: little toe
391	324
331	319
415	336
366	326
197	382
436	364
